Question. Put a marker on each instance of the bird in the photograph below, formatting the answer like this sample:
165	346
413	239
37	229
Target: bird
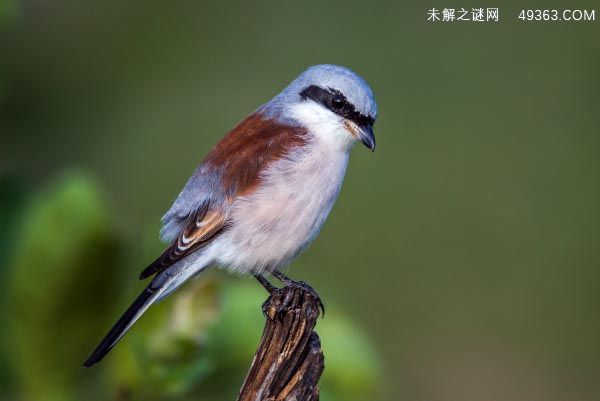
261	195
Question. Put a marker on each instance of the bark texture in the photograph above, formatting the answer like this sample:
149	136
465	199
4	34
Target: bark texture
288	362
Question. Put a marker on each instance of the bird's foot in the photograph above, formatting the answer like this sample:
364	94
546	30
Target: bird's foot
308	289
301	285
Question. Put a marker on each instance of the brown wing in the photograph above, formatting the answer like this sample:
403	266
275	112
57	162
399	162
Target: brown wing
248	149
200	228
237	162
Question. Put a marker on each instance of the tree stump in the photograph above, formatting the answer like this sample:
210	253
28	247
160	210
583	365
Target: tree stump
288	362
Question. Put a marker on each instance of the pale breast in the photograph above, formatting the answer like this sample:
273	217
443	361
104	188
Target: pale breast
273	225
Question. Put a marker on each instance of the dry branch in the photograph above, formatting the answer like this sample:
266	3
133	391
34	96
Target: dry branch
288	362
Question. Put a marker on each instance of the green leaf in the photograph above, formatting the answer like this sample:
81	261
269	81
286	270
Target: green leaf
62	270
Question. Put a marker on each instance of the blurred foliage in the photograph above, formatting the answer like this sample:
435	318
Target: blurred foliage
8	11
61	274
64	254
466	246
353	371
12	194
203	341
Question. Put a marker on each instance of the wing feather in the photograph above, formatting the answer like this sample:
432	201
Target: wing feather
200	228
233	168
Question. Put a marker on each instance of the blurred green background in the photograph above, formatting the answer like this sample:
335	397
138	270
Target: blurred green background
461	261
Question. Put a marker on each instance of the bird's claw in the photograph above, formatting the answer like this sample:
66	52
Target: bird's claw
311	291
278	311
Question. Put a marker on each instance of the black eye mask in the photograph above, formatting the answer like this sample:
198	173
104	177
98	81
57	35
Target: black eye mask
335	101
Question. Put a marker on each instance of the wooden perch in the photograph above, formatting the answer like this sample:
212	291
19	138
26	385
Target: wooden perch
288	362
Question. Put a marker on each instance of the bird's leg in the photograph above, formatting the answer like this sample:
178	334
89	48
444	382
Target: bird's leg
299	284
265	283
283	278
270	289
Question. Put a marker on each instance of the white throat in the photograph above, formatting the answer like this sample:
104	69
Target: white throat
327	127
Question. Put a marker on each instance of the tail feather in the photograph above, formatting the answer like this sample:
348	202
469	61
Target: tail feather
162	285
178	280
137	308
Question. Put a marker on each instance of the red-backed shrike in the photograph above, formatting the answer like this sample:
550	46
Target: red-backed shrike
261	195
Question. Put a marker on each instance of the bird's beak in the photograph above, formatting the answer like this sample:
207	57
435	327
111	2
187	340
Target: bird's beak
367	137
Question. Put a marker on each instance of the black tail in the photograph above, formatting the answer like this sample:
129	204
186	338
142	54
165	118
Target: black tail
142	302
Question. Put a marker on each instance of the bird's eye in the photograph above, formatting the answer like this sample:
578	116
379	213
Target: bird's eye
337	102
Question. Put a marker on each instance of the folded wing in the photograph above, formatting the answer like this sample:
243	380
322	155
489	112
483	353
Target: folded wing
232	169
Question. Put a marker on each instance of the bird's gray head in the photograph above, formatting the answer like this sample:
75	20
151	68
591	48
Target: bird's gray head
326	94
